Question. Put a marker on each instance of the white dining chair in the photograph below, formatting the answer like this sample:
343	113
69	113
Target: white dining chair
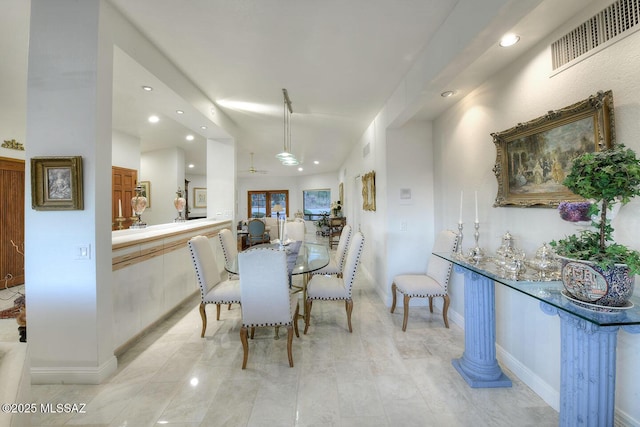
213	290
333	288
295	230
266	301
336	262
430	285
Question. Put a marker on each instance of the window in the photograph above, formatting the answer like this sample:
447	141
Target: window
261	203
315	203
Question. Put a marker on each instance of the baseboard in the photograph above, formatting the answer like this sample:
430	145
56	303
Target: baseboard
74	375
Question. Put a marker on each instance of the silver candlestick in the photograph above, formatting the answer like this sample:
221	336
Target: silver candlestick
477	253
459	254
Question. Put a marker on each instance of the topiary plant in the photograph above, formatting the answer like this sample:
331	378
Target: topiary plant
606	177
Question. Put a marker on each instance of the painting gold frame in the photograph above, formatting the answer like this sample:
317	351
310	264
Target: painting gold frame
533	158
56	183
199	197
146	191
369	191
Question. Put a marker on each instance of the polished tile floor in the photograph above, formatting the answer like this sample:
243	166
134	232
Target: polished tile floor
375	376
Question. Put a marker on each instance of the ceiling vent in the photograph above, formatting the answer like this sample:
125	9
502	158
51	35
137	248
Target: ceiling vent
614	22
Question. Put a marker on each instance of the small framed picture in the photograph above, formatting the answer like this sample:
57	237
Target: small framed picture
199	197
146	191
56	183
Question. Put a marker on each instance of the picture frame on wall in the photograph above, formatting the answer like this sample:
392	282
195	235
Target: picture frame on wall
369	191
199	197
146	191
533	158
56	183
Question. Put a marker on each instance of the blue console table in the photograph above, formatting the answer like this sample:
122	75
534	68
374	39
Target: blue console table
588	343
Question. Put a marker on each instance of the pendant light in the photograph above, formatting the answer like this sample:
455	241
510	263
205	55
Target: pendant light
286	157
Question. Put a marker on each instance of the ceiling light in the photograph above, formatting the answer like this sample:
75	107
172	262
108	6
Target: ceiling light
203	127
147	88
189	137
509	40
191	166
300	169
447	94
179	111
286	157
315	162
154	119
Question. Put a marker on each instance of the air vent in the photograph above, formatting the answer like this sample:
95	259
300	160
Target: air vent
610	23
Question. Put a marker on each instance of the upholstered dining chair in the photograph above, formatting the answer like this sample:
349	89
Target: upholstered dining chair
333	288
213	290
264	290
257	232
337	261
295	231
229	247
432	284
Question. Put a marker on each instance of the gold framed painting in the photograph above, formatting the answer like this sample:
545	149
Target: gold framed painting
146	191
533	158
56	183
369	191
199	197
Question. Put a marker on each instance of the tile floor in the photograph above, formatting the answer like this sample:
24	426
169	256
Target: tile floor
375	376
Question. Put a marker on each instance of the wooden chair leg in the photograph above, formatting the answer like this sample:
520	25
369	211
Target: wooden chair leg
307	315
406	312
253	330
245	346
289	341
295	320
349	306
217	311
431	304
203	315
229	306
445	308
393	301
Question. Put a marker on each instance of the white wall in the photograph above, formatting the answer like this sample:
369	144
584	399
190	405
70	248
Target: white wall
465	156
125	150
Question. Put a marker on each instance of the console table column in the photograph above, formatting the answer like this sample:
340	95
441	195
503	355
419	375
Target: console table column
478	364
587	370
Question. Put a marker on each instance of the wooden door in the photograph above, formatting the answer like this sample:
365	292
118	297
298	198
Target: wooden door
12	214
123	183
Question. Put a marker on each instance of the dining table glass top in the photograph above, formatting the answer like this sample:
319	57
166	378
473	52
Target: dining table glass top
309	257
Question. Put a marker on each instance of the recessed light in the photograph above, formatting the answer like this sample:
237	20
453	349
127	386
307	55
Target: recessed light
179	112
447	94
509	40
147	88
189	138
154	119
191	166
203	127
315	162
300	169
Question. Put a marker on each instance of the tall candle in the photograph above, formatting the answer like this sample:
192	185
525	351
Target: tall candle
119	208
460	218
477	207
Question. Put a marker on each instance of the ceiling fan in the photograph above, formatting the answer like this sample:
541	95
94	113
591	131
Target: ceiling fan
252	169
